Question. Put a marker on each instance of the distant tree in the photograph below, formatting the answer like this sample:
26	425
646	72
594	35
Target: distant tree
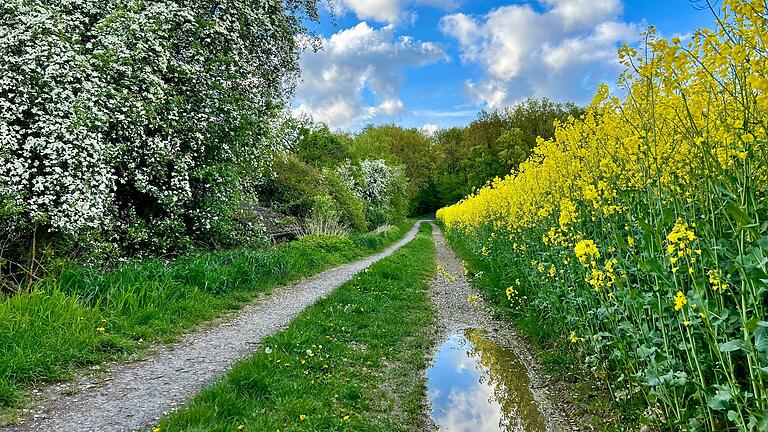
323	148
493	145
410	148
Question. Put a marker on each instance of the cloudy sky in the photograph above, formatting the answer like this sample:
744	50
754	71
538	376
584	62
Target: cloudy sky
436	63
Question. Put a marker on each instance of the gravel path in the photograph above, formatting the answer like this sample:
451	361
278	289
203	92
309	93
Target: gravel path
133	396
450	291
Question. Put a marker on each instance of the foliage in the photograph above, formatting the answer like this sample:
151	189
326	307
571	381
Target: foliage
383	188
142	124
294	185
87	316
351	207
641	227
408	148
466	158
323	148
325	219
351	361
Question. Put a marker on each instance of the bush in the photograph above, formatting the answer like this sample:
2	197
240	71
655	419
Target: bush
325	219
351	207
116	127
294	186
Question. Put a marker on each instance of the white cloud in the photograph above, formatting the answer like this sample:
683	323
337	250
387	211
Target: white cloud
430	129
561	50
379	10
387	11
576	14
354	62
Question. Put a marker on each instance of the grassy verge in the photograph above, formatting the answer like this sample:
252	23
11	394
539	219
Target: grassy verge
586	392
352	361
86	316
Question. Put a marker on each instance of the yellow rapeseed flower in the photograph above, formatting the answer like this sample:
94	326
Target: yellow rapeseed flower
680	300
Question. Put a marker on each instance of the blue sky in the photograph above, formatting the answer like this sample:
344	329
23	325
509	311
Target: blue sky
437	63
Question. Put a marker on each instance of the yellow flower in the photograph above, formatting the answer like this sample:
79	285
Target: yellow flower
241	427
511	292
345	418
101	330
717	281
573	337
155	429
680	300
302	417
586	249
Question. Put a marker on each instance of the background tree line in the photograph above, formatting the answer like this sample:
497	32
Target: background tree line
436	170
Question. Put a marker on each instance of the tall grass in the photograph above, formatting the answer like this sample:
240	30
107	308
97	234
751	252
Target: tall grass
86	316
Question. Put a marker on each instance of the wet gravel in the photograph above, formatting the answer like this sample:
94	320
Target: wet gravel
133	396
450	292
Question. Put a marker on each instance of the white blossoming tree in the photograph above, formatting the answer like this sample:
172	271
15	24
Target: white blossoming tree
382	187
141	122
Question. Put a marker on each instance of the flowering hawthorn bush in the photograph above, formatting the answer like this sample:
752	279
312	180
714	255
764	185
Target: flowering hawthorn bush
383	188
142	124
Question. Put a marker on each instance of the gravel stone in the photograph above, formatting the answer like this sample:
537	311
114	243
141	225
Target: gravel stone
133	396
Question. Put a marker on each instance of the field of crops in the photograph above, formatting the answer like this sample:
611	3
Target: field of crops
643	227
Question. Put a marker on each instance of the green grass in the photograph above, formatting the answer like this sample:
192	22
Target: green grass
47	334
367	341
587	393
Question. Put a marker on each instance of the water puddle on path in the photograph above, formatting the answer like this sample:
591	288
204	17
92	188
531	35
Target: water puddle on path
475	385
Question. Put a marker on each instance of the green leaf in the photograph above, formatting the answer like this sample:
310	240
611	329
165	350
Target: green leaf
721	399
738	214
761	337
751	325
732	345
644	351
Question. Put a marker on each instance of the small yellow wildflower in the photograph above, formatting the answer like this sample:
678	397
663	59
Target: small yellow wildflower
302	417
241	427
680	300
101	330
345	418
573	337
511	292
717	281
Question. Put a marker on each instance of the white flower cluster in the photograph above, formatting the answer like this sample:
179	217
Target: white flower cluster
371	180
118	113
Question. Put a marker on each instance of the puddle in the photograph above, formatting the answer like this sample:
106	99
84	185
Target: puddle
475	385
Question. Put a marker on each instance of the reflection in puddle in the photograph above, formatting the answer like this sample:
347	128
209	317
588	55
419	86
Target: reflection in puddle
477	386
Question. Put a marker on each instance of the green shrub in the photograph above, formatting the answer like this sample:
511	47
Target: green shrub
351	206
294	186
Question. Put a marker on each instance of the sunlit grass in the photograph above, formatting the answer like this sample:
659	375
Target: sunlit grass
353	361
